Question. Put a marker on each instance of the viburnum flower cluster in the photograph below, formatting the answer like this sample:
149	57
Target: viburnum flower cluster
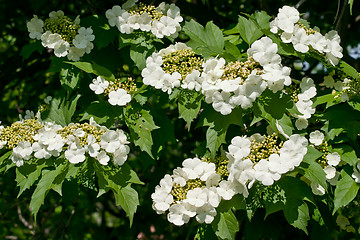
302	97
34	138
118	92
194	190
305	39
224	85
328	161
62	34
163	20
344	88
263	158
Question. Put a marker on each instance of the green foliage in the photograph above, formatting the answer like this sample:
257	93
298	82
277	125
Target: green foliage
346	190
208	41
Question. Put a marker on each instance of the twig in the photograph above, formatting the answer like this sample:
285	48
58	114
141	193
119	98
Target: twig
299	3
23	220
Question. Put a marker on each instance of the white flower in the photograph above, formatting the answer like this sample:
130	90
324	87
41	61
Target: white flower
317	41
23	150
330	171
356	176
225	190
75	154
102	157
264	51
119	97
239	147
192	167
329	81
287	17
301	123
333	159
300	40
35	28
264	174
99	85
55	15
317	189
113	14
316	137
75	53
120	155
180	213
40	151
84	36
196	197
205	214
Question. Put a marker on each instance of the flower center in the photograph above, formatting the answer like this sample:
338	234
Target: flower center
240	69
149	9
263	149
128	85
63	26
293	91
20	131
65	132
308	31
182	61
324	148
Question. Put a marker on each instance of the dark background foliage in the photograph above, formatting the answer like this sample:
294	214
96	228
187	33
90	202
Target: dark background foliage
25	82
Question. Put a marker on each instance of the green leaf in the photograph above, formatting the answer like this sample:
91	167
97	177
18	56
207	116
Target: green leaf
189	103
205	231
311	169
27	174
327	98
139	54
60	178
218	125
119	181
44	185
69	80
275	201
296	210
351	123
208	41
351	4
346	189
61	111
27	50
128	199
5	162
226	225
349	70
347	154
249	31
102	112
95	69
141	123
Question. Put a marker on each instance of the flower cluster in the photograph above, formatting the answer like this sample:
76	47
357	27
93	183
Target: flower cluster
62	34
345	88
305	39
224	85
263	158
119	92
163	20
303	101
34	138
328	161
194	190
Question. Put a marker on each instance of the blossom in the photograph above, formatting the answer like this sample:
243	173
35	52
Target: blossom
316	137
99	85
119	97
35	27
